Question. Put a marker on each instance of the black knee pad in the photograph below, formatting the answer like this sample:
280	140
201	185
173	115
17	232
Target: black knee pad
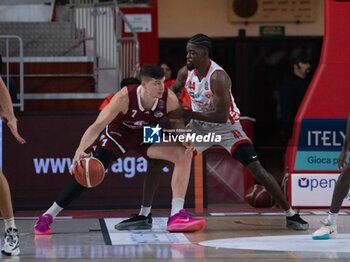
104	156
245	153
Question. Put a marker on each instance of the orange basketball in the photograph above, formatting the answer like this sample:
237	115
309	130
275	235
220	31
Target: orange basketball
262	198
90	172
258	197
250	195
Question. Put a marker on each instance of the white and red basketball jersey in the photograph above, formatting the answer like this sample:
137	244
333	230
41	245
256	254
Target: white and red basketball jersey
202	96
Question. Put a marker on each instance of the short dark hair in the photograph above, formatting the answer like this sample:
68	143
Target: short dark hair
152	71
202	41
130	81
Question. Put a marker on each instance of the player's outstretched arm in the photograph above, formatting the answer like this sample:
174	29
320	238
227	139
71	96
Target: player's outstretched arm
179	84
174	110
6	112
345	149
118	104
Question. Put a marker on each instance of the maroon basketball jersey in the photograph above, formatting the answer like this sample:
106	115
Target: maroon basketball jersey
137	117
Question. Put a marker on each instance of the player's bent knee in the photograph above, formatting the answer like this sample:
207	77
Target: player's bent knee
180	157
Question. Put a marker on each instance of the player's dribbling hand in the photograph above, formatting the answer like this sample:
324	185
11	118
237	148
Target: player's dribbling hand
79	154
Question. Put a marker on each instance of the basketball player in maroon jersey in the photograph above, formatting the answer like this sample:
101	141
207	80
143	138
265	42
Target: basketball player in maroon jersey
121	123
11	242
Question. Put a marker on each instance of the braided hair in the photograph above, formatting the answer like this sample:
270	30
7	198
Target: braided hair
203	41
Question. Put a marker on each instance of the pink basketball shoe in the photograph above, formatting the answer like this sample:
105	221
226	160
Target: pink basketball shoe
42	225
183	222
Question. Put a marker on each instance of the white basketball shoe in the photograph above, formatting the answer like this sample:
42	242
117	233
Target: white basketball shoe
326	231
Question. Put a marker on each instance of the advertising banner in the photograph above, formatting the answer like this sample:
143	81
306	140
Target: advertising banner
320	143
320	124
38	170
314	190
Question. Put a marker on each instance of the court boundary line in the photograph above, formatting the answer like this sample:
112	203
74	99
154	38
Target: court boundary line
105	232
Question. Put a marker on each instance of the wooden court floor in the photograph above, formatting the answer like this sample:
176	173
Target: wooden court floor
79	236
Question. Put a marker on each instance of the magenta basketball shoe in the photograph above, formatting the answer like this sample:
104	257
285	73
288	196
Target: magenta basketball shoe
42	225
183	222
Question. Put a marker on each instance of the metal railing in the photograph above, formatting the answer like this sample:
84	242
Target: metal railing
99	24
129	49
7	59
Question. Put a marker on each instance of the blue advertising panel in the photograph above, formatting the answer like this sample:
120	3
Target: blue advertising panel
320	143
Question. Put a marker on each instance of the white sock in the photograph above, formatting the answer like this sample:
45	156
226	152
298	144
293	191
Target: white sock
332	218
9	223
176	205
290	212
145	211
54	210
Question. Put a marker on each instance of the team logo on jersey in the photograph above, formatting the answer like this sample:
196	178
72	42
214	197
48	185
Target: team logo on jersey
158	114
206	86
208	94
191	86
135	125
161	104
151	134
198	96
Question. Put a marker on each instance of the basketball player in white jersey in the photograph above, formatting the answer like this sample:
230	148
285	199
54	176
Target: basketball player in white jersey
214	110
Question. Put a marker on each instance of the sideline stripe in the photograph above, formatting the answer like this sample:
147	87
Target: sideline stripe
105	233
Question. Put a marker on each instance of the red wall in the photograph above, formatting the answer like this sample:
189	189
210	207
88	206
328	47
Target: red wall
323	111
326	97
329	92
148	40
